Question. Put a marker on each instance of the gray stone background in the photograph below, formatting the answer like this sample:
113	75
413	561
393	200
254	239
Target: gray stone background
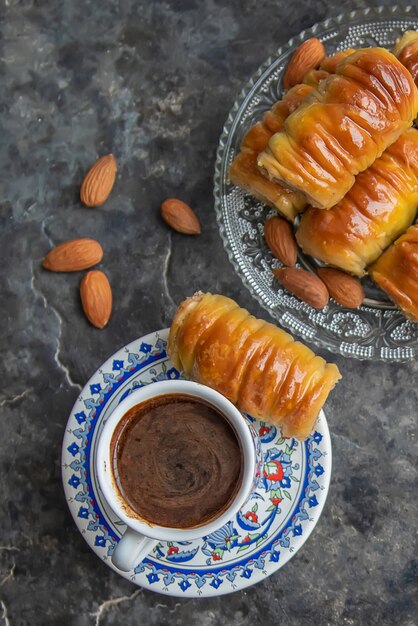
153	83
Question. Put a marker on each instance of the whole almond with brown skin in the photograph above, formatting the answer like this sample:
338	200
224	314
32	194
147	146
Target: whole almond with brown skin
178	215
73	255
280	239
307	57
306	286
345	289
96	298
99	181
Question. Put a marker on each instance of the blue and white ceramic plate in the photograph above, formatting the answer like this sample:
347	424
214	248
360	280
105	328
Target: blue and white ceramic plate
276	521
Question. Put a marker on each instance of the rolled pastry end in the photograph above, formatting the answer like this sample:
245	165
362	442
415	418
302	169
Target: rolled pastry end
302	422
182	313
396	272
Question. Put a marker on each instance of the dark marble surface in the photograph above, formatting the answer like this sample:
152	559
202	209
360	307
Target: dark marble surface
153	83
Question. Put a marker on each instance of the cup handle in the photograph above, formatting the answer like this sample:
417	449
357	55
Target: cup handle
131	550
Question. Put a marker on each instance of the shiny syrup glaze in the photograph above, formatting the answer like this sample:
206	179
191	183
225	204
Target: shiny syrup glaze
396	272
341	130
178	461
409	58
380	205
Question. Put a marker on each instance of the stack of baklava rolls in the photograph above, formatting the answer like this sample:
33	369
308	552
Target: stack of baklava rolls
338	157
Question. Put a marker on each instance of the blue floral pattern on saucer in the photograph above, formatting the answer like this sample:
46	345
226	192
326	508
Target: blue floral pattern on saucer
284	507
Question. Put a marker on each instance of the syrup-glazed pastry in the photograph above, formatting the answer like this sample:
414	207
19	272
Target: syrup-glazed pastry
342	127
396	272
379	207
406	50
258	366
244	170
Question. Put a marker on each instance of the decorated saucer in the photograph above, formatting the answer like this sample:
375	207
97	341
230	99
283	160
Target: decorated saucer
271	527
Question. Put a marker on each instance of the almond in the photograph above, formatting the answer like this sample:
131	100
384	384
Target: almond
178	215
307	57
306	286
73	255
99	181
345	289
96	298
280	239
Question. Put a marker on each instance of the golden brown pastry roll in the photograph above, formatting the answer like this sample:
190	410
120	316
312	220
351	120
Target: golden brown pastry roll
396	272
379	207
244	171
245	174
259	367
342	127
406	50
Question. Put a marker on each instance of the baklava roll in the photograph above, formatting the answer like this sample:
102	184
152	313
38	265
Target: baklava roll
406	50
244	171
379	207
259	367
342	127
396	272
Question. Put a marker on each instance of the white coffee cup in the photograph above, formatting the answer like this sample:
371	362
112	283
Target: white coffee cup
142	535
